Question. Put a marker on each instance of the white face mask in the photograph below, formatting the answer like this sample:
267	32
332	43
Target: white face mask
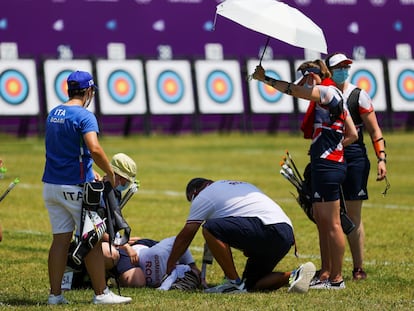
89	100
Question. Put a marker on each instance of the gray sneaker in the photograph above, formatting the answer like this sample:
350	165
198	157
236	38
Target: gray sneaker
300	278
229	287
57	300
108	297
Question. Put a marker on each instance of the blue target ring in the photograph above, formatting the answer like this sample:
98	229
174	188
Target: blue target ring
364	79
405	84
170	87
121	87
14	87
60	85
219	86
268	93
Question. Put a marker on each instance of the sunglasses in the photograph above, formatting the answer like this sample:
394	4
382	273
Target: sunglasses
310	70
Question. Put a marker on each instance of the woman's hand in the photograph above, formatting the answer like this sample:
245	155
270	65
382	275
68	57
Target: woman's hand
259	73
133	255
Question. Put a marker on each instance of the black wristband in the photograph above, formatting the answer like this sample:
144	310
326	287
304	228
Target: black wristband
288	90
382	160
270	81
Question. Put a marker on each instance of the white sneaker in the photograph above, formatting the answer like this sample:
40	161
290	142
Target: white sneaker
109	297
228	287
57	300
300	278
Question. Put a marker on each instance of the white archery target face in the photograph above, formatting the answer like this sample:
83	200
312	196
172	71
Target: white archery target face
56	74
263	97
401	75
219	86
170	87
18	88
368	75
121	87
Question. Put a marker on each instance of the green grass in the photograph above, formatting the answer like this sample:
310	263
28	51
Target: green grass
159	209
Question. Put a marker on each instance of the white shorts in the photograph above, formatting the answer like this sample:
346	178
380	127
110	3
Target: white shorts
64	204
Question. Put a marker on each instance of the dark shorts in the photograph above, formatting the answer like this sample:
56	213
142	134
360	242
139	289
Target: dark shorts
327	176
124	263
264	245
356	181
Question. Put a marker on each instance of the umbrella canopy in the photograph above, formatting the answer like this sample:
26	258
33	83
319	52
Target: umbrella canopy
277	20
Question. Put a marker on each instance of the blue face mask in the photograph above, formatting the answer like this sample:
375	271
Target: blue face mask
340	75
121	188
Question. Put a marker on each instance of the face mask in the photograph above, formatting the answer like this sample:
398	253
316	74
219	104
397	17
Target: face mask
87	103
340	75
89	100
121	188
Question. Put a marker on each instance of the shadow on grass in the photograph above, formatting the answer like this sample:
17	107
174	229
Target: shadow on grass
20	302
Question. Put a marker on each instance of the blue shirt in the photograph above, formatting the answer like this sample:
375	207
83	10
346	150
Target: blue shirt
68	160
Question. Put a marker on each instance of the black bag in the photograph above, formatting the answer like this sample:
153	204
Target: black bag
115	221
93	221
92	193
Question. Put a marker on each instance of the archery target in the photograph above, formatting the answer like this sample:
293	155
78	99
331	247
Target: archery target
263	97
56	74
219	86
121	87
60	85
18	88
170	87
14	86
401	77
368	74
405	84
365	80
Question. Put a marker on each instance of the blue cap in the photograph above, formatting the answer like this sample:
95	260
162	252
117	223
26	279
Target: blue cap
79	80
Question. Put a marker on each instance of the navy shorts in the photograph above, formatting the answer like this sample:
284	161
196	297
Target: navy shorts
356	181
327	176
264	245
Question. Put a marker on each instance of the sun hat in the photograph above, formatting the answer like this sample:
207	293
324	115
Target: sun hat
124	166
79	80
337	59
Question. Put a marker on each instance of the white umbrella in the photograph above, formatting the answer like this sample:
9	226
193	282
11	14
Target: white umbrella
277	20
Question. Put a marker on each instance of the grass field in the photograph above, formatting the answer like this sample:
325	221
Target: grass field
159	209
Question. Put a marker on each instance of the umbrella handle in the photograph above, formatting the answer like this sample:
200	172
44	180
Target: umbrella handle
264	50
250	77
